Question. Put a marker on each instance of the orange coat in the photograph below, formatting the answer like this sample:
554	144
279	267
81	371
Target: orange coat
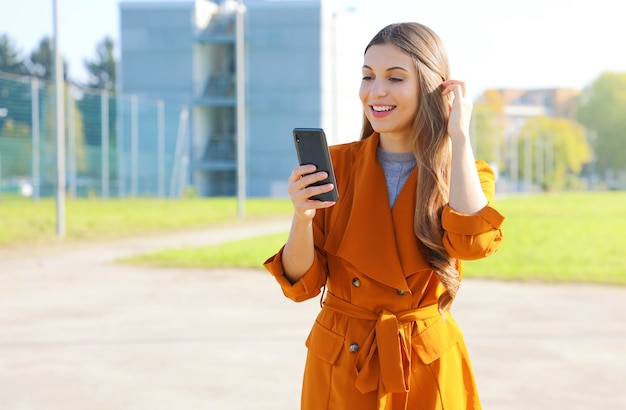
379	341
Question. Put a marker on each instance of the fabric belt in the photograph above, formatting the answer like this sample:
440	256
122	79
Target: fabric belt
389	339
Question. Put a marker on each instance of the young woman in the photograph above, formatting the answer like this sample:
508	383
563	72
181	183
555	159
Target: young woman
412	204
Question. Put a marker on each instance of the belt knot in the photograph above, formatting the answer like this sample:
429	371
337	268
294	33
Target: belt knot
388	340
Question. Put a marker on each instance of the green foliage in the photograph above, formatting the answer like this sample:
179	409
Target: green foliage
555	149
488	128
15	98
485	135
10	59
42	60
15	130
90	107
102	75
602	109
102	69
15	149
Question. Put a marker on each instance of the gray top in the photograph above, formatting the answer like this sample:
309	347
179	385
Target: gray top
397	167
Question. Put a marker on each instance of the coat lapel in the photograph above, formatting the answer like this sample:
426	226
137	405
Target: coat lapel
361	229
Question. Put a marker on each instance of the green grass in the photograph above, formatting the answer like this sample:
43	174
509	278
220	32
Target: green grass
578	237
25	222
553	237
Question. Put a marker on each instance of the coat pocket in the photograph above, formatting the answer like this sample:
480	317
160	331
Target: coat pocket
436	339
324	343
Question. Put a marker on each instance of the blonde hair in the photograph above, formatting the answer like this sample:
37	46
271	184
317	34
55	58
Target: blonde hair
431	145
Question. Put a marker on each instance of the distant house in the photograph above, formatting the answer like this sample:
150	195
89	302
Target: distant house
519	105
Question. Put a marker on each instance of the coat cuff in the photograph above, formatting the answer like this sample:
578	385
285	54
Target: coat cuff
485	220
303	289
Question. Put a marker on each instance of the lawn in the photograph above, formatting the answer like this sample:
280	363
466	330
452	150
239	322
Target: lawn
578	236
560	237
25	221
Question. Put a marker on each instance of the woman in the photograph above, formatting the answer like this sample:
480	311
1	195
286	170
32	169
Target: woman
390	264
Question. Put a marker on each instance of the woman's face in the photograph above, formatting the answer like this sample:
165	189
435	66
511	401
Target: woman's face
389	89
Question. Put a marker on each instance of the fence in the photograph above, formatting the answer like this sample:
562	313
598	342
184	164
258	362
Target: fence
116	145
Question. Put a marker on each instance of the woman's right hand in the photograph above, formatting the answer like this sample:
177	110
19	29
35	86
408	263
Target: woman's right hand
300	191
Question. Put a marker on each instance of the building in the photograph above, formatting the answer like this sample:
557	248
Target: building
185	53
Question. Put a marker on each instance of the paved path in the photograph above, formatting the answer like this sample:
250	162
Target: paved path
80	332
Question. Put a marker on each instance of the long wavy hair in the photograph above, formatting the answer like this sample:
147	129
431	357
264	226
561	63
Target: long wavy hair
431	145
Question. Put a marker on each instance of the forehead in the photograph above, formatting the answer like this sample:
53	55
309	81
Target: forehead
384	56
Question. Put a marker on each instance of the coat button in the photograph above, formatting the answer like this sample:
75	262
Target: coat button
400	292
353	348
356	282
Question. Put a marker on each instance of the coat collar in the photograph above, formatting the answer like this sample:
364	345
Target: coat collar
364	230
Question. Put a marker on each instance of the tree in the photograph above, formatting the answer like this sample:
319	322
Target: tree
42	62
10	61
488	128
553	151
15	93
103	68
14	90
102	71
601	109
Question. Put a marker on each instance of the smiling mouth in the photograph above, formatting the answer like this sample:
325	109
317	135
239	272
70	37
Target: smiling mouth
382	108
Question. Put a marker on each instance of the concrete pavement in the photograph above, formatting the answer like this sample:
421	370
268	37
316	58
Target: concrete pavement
80	332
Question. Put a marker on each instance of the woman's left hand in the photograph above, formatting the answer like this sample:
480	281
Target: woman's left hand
460	108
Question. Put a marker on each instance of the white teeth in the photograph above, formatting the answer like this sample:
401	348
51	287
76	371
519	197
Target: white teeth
381	108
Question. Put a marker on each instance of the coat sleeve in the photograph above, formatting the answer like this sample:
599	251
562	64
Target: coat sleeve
314	279
475	236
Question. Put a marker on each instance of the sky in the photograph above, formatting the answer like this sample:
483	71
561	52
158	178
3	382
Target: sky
491	43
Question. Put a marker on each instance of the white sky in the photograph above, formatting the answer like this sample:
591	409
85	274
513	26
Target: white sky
491	43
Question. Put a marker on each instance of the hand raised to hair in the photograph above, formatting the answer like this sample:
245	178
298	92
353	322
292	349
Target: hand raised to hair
460	108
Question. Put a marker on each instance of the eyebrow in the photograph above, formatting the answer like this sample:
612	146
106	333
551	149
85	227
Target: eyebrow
389	69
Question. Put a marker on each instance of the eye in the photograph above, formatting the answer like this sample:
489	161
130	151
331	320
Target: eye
366	77
396	79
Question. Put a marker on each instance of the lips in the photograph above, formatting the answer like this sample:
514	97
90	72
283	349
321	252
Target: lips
379	111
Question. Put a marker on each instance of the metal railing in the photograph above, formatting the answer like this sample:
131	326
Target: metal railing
116	145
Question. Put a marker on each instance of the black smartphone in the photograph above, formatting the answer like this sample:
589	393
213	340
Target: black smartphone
312	148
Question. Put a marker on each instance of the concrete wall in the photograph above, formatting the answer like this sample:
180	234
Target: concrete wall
156	65
156	50
283	87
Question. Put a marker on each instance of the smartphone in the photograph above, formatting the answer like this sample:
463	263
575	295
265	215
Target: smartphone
312	148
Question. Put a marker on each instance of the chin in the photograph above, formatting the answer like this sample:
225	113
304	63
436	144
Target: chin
382	128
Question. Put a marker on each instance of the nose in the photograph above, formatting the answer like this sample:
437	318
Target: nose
378	88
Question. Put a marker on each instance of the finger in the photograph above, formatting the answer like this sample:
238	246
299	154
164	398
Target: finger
454	86
453	82
304	202
310	179
316	204
300	171
317	190
305	182
323	204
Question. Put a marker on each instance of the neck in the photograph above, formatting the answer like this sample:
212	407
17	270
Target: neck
392	142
